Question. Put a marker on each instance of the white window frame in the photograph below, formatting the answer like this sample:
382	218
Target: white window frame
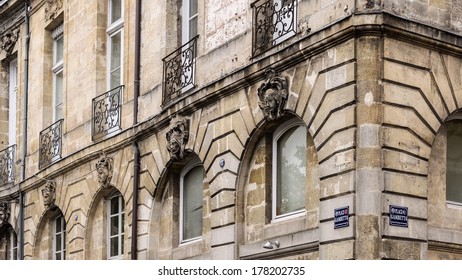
58	67
121	230
59	231
278	133
185	20
114	29
12	95
186	169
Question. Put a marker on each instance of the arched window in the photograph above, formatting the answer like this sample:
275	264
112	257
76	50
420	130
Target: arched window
289	169
191	189
8	243
115	226
454	162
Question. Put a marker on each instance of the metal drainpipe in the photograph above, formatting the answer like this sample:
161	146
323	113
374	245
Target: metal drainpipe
136	150
24	134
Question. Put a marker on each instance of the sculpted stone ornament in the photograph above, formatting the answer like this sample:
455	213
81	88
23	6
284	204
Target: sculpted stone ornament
104	167
52	9
177	138
272	95
49	194
4	213
8	40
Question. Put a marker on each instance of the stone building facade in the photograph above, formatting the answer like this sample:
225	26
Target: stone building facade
179	129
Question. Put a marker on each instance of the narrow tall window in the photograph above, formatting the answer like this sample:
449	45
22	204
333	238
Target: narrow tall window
192	178
59	238
11	244
115	38
289	169
189	20
115	227
454	162
58	47
12	89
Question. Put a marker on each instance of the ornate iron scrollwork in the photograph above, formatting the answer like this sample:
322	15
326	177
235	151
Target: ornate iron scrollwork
7	165
107	113
50	144
274	21
179	70
272	95
177	138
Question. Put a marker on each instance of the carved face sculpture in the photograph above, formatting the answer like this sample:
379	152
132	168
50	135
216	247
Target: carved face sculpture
49	194
3	213
177	138
272	95
104	169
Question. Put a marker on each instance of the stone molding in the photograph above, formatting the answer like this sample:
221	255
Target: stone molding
105	169
177	138
272	95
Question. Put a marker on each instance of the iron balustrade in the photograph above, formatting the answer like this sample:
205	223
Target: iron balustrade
273	22
7	165
50	144
106	113
179	71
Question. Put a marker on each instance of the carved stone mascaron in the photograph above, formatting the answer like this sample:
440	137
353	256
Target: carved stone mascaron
49	194
177	138
52	9
272	95
8	40
4	213
104	167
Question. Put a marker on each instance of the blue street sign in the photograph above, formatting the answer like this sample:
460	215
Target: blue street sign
341	217
398	216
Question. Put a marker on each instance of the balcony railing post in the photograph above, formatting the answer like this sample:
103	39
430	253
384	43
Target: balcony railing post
50	144
106	110
179	71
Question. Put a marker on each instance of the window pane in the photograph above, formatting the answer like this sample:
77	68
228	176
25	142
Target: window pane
58	242
58	256
58	225
192	203
192	27
114	251
59	47
116	10
114	205
291	171
115	67
114	225
192	8
58	108
454	162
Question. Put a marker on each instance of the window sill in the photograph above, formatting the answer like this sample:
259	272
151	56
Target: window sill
188	249
286	225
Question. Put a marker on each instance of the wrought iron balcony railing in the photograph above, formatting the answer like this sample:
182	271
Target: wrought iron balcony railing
273	22
50	144
179	71
7	165
107	113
